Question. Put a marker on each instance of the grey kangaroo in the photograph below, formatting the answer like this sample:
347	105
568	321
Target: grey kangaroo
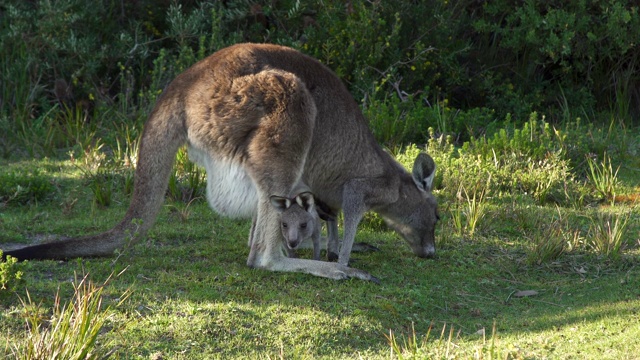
262	118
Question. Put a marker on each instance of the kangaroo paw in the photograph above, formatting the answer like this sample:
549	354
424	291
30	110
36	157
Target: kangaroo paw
358	274
318	268
331	256
364	247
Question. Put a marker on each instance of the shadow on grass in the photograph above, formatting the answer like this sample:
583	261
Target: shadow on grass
193	294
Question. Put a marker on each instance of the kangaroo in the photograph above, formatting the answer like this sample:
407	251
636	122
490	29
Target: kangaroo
299	221
262	118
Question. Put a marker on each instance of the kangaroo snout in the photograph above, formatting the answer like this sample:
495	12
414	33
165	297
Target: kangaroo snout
425	252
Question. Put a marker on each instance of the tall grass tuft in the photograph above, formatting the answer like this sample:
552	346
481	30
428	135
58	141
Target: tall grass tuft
444	347
603	178
101	185
73	329
549	243
188	181
467	216
606	235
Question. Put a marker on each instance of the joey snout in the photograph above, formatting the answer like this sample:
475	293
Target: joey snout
293	237
293	244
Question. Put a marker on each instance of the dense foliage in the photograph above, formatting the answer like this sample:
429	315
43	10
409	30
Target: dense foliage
412	60
529	108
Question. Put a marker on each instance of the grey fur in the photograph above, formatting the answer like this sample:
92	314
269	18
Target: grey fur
262	118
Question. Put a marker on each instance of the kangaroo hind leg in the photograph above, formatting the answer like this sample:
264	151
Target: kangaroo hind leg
276	150
274	158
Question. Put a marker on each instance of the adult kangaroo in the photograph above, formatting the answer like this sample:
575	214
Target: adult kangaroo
262	119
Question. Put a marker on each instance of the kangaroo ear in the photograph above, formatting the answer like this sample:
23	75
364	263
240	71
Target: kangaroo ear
280	203
424	170
305	200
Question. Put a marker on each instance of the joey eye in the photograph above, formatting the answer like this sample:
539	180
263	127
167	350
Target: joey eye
285	225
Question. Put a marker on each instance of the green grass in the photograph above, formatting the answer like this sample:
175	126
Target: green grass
193	297
71	330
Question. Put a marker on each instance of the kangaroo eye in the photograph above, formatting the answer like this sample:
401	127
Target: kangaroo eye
284	225
303	225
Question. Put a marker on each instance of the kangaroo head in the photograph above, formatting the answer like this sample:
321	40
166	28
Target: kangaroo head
415	214
296	219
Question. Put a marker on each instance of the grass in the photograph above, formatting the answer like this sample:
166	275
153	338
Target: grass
518	274
603	178
71	331
607	235
194	298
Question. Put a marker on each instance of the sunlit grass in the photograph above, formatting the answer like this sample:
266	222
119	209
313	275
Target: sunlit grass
607	235
603	177
72	330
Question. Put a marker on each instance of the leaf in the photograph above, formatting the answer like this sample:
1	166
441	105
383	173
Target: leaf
580	270
525	293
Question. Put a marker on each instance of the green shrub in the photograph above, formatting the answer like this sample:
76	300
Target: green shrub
527	160
382	48
458	67
583	54
395	121
10	273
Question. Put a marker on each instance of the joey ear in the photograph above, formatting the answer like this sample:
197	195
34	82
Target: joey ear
305	200
424	171
280	203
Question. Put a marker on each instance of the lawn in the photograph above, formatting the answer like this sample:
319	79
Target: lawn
192	296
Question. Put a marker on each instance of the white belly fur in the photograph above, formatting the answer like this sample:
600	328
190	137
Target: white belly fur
230	190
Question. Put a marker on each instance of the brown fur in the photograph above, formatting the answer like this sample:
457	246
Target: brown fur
284	119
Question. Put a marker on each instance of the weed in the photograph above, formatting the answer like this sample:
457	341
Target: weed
182	211
94	158
74	125
127	153
101	184
188	181
128	182
472	210
458	221
475	209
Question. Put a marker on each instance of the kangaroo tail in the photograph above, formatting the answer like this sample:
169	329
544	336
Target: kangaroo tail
164	133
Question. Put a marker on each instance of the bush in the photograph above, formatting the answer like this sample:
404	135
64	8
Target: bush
396	121
527	160
455	66
575	54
